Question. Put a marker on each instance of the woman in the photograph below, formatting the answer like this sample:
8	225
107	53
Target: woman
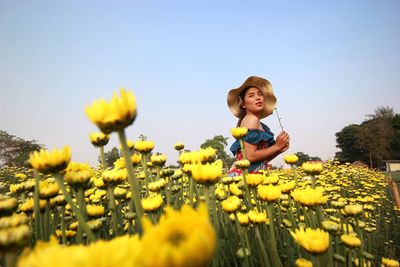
251	102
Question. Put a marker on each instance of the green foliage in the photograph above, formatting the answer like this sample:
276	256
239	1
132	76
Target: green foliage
305	157
373	141
111	156
14	151
219	143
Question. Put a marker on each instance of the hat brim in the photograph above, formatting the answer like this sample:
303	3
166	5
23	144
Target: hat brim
264	85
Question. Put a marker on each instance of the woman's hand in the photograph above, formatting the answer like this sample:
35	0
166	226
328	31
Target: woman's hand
282	141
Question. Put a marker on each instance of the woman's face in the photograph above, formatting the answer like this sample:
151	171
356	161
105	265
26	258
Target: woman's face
253	100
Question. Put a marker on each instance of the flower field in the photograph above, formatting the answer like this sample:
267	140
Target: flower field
141	213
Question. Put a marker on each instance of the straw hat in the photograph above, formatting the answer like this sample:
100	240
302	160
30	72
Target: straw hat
264	85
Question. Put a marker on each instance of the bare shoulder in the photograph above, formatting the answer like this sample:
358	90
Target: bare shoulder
250	122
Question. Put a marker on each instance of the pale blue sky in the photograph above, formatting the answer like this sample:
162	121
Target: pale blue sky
330	63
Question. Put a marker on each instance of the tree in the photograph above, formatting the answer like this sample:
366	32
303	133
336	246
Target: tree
382	112
394	143
111	156
14	151
346	140
219	143
374	138
304	158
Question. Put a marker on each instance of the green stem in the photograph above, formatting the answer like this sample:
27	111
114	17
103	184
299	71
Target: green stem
211	205
103	158
46	235
242	240
63	234
274	250
78	213
133	183
146	175
262	247
113	209
36	207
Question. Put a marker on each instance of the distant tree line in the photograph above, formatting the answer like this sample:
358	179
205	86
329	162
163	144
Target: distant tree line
374	140
14	151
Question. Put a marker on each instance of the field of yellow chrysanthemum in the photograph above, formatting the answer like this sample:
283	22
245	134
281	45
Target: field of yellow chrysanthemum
139	212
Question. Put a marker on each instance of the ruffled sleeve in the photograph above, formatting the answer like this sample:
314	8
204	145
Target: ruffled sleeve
254	136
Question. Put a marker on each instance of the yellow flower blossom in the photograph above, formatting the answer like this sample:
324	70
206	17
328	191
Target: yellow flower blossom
114	176
351	240
184	238
315	241
95	211
312	167
158	159
115	115
46	161
231	204
301	262
99	139
144	146
239	132
257	217
352	210
48	189
269	192
208	173
254	179
291	159
152	202
179	146
242	164
78	174
390	262
273	178
309	196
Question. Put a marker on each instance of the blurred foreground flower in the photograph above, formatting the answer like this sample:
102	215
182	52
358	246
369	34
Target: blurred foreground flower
115	115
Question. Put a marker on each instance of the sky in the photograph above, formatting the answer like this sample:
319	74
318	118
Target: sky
330	63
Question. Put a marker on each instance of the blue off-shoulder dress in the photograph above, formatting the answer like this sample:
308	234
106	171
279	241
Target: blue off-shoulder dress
261	138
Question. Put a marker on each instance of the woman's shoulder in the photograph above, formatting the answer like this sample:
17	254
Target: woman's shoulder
250	122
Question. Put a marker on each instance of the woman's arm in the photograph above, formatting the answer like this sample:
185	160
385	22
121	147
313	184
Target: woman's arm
254	154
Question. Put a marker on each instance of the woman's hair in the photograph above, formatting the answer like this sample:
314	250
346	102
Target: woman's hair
241	101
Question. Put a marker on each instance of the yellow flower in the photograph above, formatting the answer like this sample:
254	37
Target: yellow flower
301	262
315	241
48	189
46	161
158	159
27	206
390	262
209	173
273	178
309	196
14	238
179	146
152	202
287	187
17	188
331	226
124	253
115	115
239	132
254	179
269	192
257	217
231	204
120	163
95	211
184	238
114	176
78	173
8	206
351	240
351	210
291	159
242	164
21	176
235	190
243	218
144	146
312	167
99	139
157	185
